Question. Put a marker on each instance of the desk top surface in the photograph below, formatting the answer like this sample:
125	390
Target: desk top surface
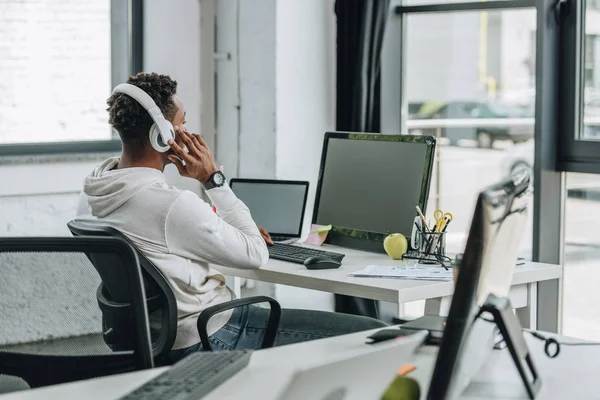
390	290
572	375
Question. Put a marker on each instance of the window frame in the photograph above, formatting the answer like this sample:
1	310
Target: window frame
575	154
549	183
126	19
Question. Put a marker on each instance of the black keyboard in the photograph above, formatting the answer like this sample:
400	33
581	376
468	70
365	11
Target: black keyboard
297	254
193	377
281	238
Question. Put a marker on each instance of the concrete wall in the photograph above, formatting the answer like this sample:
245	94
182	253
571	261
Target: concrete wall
305	108
172	47
245	90
275	87
305	89
275	96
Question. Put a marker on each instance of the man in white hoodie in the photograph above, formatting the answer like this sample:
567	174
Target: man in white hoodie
182	234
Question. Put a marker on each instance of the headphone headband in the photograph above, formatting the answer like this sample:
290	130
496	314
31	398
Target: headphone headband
165	128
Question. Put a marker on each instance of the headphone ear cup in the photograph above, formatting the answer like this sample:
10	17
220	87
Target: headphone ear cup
156	139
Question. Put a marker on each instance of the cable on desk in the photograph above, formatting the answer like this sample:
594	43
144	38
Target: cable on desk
551	345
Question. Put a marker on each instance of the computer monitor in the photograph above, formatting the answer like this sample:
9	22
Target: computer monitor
276	205
369	185
487	268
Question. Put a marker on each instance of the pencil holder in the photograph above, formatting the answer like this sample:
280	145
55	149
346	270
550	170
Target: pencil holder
433	245
430	248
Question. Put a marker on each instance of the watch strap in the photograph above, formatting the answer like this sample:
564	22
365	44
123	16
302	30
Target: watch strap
211	183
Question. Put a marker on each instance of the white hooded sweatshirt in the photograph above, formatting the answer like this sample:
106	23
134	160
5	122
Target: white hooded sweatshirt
179	233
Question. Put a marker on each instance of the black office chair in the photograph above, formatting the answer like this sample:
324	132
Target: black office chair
161	305
51	331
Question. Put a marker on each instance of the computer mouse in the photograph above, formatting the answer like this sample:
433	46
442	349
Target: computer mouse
320	262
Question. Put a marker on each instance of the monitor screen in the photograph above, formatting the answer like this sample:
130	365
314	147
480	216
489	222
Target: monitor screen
487	268
372	183
278	206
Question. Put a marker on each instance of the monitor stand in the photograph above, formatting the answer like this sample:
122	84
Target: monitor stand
512	332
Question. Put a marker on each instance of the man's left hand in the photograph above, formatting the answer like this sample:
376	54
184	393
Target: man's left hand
266	236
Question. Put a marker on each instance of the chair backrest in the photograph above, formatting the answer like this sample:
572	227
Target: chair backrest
52	326
161	303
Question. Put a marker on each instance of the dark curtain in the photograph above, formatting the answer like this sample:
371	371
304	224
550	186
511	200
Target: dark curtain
360	29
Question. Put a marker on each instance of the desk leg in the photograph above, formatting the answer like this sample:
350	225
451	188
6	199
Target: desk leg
438	306
528	315
237	287
401	310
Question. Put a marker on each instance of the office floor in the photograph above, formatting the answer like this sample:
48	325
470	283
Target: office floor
79	345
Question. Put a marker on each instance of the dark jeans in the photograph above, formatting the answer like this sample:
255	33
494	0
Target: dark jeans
246	328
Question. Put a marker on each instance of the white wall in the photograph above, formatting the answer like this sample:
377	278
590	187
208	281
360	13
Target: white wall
276	97
246	88
305	88
172	47
275	87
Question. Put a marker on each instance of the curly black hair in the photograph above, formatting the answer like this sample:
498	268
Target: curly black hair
130	119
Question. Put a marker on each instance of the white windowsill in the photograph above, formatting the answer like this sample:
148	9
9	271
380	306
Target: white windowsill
49	174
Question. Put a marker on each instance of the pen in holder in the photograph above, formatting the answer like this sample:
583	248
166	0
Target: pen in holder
433	246
429	246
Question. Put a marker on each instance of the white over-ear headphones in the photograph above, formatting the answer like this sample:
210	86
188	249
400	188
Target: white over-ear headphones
162	130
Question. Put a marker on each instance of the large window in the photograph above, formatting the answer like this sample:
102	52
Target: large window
582	133
485	79
468	77
582	253
58	61
469	82
580	79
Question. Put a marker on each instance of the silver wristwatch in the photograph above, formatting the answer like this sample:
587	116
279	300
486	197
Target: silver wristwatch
216	180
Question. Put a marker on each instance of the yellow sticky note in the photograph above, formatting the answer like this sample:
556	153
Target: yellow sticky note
318	234
321	229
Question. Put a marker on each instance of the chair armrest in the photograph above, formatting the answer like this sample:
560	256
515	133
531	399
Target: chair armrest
272	324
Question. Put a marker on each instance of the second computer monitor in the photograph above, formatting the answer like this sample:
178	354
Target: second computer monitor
276	205
369	185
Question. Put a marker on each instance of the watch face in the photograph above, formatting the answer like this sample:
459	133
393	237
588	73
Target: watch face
218	178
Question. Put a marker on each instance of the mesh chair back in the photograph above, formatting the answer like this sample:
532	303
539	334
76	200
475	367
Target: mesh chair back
52	328
161	303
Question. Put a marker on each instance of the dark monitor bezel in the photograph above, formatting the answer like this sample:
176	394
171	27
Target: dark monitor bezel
366	240
306	185
464	299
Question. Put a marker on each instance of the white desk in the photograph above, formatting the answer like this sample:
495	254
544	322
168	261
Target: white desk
437	295
570	376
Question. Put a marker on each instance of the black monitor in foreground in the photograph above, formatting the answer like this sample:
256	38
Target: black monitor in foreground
369	185
487	268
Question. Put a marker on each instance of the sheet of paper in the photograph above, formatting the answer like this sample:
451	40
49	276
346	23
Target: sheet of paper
418	272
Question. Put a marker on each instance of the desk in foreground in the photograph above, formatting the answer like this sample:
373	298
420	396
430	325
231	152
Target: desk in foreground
570	376
437	294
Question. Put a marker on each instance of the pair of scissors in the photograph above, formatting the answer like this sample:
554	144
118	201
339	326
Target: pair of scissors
441	220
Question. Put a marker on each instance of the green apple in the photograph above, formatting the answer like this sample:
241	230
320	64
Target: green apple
395	245
402	388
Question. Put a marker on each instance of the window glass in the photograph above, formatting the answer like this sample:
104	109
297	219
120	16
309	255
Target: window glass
54	70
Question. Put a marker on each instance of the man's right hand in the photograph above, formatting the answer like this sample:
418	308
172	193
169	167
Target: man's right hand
199	161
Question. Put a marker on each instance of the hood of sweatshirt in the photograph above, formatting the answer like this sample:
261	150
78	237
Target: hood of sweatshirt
108	189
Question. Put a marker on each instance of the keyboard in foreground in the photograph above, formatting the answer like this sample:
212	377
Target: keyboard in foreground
193	377
297	254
